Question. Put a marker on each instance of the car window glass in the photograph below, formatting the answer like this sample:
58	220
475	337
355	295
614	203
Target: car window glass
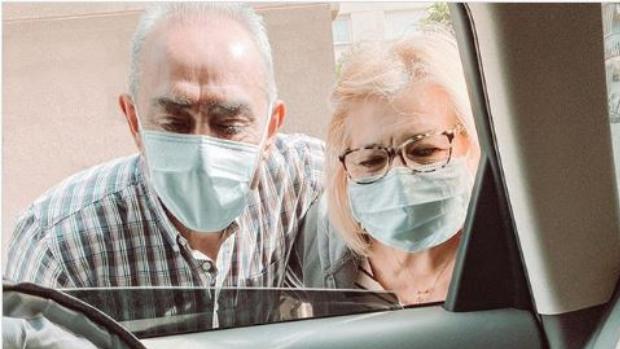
155	312
409	129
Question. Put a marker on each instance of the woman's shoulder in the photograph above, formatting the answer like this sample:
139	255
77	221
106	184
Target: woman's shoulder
322	242
319	225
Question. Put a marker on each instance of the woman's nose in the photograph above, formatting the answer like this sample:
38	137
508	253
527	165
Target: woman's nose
398	161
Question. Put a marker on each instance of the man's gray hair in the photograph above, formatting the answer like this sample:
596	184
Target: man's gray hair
241	13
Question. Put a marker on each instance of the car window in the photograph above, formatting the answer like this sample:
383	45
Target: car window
407	175
155	312
611	32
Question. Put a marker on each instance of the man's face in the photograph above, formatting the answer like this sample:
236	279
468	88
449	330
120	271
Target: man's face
203	77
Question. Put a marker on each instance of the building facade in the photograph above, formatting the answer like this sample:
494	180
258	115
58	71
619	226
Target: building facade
356	21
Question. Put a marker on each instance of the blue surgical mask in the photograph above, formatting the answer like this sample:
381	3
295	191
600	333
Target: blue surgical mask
203	181
413	211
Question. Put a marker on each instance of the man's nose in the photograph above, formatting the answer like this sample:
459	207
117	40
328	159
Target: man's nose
202	129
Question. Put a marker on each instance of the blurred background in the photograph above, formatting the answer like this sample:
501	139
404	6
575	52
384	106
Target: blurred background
65	64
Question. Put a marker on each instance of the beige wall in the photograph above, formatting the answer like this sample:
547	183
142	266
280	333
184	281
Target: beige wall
64	66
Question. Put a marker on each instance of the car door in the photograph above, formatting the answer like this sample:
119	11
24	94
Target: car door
537	62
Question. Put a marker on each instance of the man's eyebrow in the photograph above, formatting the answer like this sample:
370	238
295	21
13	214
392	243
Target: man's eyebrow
172	102
229	109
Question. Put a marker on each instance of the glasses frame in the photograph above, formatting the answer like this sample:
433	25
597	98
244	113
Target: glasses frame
392	152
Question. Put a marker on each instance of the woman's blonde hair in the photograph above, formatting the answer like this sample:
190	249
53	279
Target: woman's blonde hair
379	71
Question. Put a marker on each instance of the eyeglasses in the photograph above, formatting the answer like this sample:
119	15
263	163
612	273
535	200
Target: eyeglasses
426	152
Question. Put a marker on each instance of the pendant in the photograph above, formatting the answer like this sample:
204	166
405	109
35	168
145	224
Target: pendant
423	295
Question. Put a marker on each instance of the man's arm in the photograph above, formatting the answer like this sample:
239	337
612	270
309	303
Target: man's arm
30	258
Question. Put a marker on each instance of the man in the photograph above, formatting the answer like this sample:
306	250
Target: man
215	195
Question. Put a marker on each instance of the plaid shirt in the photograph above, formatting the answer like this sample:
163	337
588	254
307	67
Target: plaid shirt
105	227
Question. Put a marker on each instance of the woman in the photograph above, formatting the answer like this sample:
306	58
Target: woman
402	152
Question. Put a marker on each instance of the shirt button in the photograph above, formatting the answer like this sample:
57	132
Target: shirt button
208	267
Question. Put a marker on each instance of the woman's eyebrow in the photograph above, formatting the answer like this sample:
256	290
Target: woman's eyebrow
372	145
413	134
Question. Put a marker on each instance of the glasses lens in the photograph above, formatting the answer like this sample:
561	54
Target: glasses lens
427	154
366	165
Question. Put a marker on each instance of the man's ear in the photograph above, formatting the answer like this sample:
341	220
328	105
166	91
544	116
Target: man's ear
275	123
127	107
278	114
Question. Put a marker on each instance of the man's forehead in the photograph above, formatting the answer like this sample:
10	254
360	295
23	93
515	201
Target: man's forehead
202	61
204	41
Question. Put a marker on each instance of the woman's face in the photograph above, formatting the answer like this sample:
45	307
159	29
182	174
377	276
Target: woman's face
417	110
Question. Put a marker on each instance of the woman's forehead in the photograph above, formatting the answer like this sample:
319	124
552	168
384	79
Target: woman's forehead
389	123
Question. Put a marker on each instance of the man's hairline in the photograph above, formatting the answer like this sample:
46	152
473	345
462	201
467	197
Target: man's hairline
169	19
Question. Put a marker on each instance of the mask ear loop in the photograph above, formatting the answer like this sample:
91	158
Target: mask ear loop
135	108
147	172
140	129
261	144
467	156
266	129
465	159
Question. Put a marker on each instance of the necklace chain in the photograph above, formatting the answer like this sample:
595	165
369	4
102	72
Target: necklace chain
423	294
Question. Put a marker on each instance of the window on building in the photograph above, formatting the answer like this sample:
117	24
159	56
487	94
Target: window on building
341	30
399	23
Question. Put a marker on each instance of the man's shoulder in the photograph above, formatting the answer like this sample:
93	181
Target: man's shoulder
300	156
84	188
298	142
299	150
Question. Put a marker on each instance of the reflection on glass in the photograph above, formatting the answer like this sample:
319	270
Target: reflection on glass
155	312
